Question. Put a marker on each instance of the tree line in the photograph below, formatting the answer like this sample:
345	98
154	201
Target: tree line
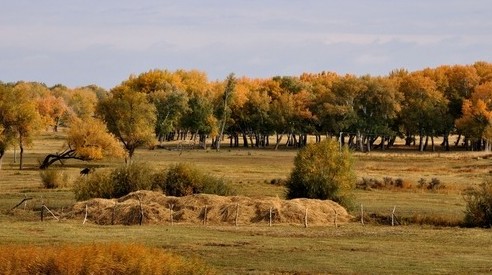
365	112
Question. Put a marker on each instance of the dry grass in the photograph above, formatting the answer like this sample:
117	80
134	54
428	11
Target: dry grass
100	258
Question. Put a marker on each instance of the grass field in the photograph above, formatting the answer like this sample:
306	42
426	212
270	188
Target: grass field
351	248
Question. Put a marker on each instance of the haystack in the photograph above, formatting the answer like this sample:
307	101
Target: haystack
155	208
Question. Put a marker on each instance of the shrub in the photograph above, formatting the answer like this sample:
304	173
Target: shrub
434	184
184	179
387	183
479	205
278	181
94	185
322	171
133	177
53	178
115	183
177	180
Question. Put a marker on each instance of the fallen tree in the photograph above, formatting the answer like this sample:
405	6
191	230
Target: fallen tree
86	140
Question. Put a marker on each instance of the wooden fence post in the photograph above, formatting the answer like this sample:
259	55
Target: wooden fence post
336	217
86	211
362	214
205	215
237	214
42	212
141	214
393	216
270	221
306	218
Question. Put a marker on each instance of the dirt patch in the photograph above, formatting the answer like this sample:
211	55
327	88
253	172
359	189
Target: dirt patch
156	208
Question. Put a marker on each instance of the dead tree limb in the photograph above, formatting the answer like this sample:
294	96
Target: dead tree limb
24	200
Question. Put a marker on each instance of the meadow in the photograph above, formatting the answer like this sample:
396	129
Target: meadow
417	246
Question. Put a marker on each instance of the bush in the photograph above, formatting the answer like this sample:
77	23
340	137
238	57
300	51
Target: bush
184	179
434	184
94	185
53	179
177	180
322	171
116	183
131	178
479	205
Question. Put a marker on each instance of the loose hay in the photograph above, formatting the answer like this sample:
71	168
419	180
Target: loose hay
212	209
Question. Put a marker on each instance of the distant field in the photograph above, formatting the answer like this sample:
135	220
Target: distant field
352	248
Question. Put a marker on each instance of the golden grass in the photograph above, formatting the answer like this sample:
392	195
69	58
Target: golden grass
112	258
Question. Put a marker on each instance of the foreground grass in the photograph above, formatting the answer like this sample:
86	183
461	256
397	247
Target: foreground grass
101	258
348	249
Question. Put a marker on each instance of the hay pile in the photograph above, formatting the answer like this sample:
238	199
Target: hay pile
155	208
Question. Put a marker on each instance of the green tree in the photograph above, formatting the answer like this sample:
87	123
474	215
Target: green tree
230	85
322	171
424	109
377	105
130	117
171	107
200	120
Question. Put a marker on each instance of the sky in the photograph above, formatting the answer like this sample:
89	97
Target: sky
103	42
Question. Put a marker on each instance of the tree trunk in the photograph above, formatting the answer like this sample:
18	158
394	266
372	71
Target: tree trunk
446	142
278	140
433	145
359	141
52	158
21	152
456	144
245	140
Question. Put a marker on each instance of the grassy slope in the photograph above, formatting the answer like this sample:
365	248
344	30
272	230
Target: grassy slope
351	248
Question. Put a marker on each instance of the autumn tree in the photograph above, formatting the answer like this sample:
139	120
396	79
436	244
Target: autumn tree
476	122
129	116
51	109
7	134
87	140
82	102
20	116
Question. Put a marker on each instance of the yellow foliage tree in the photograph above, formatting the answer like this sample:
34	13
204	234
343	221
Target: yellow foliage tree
87	140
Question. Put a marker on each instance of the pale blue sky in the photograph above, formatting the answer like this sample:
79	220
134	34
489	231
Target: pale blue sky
102	42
